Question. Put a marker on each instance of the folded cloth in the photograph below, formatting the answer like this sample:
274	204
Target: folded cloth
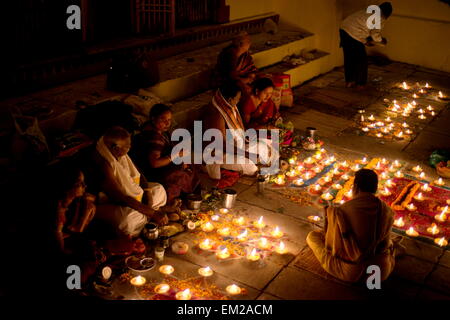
228	179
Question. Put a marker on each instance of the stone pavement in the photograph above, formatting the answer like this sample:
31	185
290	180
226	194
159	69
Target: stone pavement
422	270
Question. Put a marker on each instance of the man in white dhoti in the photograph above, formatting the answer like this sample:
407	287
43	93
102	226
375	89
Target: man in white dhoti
224	115
127	200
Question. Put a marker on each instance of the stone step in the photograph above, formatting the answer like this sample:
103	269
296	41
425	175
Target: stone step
186	111
190	73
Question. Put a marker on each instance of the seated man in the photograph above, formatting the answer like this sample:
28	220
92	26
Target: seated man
235	63
123	202
223	114
356	234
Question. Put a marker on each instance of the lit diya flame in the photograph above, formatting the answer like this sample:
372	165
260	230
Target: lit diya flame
233	289
345	177
254	255
316	188
422	117
427	85
399	222
378	166
223	254
385	130
426	187
309	160
281	248
384	161
405	125
292	160
408	131
277	233
314	218
299	182
318	156
419	197
263	243
441	242
307	176
223	210
415	96
392	168
386	192
138	281
279	179
433	229
332	158
356	167
166	269
162	288
405	86
430	108
411	207
411	232
441	95
397	164
433	113
205	272
399	135
260	223
439	182
422	91
184	295
384	175
421	110
317	169
327	196
224	231
414	103
388	119
207	227
300	168
239	221
291	173
205	244
371	118
364	160
349	194
389	183
215	217
399	174
417	169
442	217
380	123
422	175
337	186
243	236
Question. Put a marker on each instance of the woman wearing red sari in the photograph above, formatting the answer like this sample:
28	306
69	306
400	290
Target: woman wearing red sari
153	155
257	108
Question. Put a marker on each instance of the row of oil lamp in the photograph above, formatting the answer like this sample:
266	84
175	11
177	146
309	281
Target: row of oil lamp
186	294
381	128
263	242
423	90
409	107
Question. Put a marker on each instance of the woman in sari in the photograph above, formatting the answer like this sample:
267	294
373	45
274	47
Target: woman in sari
257	108
153	155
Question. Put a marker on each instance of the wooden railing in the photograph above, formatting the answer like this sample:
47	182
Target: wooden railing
154	16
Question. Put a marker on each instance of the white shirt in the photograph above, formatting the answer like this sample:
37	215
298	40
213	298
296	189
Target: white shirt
356	26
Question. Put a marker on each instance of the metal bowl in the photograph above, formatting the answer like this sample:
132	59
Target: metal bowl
194	202
139	266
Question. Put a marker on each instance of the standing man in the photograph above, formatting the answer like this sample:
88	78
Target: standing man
355	35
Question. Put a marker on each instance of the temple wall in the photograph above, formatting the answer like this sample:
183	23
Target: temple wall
418	32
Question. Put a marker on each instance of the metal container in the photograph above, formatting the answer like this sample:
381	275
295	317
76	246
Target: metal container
151	231
194	202
138	266
229	198
311	132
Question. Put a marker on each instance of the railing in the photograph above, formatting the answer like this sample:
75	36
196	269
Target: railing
154	16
